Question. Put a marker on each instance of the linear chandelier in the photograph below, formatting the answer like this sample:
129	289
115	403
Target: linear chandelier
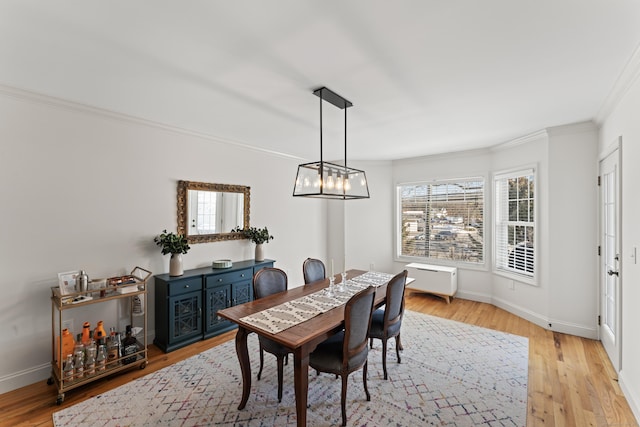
329	180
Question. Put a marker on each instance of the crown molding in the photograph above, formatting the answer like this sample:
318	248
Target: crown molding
535	136
623	83
63	104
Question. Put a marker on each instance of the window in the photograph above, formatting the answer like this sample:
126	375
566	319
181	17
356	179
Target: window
442	220
515	225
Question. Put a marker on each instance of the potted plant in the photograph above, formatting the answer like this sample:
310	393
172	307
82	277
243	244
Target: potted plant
257	236
176	245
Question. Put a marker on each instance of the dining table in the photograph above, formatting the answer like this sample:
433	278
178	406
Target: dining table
301	338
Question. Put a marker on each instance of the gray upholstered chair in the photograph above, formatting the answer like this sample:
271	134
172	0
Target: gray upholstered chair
346	351
269	281
313	270
386	322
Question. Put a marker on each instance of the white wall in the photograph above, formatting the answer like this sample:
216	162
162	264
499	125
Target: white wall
624	121
565	294
84	189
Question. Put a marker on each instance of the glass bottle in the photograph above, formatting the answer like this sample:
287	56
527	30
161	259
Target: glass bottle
129	346
79	365
69	368
113	348
101	358
90	360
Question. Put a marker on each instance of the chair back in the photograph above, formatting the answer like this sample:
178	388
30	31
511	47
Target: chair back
394	303
313	270
357	321
269	281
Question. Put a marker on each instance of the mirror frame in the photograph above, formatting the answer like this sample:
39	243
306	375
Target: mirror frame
183	189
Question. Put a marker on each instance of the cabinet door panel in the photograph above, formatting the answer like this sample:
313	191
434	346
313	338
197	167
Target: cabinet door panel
242	292
218	298
186	316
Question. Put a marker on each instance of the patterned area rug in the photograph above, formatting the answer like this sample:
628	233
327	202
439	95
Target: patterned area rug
452	374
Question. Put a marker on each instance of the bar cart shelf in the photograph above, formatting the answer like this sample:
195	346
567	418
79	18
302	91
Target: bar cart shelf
116	288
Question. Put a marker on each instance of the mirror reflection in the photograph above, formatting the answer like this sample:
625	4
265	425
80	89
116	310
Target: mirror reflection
208	212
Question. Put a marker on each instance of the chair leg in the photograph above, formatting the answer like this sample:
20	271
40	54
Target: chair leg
261	363
384	357
371	342
280	369
400	343
398	348
343	399
364	381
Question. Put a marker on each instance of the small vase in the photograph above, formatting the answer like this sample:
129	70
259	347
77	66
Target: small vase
175	265
259	252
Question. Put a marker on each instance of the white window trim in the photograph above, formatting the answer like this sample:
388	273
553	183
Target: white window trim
512	173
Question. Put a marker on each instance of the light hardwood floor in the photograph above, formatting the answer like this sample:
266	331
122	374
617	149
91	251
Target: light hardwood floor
571	381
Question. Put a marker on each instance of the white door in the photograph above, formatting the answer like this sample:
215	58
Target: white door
610	258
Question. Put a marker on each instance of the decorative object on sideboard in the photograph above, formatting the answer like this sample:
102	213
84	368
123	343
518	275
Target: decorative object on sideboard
330	180
176	245
257	236
222	263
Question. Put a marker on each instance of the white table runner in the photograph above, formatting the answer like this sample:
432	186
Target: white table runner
277	319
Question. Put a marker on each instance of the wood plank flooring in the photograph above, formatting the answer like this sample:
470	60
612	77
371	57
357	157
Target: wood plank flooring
571	381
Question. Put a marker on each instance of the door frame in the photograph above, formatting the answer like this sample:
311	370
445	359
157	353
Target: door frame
614	147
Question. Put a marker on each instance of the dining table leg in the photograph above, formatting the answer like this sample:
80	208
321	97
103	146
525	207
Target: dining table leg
301	384
243	356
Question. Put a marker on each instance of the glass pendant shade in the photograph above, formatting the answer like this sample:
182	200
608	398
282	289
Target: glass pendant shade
335	181
329	180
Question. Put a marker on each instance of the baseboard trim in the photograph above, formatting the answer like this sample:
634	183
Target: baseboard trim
24	378
533	317
632	399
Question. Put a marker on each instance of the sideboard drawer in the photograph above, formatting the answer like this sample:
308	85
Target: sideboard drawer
228	278
179	287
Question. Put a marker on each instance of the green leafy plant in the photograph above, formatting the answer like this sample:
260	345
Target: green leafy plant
256	235
172	243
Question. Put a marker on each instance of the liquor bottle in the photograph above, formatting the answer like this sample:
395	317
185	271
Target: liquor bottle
69	369
113	348
129	346
101	358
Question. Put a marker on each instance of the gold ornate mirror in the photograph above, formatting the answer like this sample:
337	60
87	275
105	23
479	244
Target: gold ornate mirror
208	212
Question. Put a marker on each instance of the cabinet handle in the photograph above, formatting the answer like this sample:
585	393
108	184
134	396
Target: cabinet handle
219	280
234	301
186	286
242	275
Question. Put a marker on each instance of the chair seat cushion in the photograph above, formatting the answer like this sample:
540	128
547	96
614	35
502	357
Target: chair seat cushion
377	326
273	347
327	357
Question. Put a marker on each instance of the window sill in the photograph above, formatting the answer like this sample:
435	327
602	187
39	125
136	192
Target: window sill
521	278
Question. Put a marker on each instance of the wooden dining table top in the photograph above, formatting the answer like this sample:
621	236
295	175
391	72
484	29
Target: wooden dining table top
302	333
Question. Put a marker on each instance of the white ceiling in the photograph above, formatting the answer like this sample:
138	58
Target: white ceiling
424	76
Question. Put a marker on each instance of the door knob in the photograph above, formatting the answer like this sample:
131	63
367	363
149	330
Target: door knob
611	273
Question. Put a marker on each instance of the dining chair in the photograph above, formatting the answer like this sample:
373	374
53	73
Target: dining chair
386	322
347	351
313	270
269	281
